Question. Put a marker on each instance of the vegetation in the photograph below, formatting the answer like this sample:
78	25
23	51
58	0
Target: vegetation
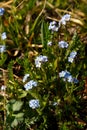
43	65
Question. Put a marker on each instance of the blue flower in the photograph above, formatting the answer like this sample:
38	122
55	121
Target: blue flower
2	10
30	85
67	74
25	77
34	103
63	44
75	80
68	77
64	19
2	48
53	26
39	60
62	74
72	56
3	36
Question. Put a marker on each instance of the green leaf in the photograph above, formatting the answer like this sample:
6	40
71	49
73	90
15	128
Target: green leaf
19	115
3	59
44	33
10	70
55	64
17	105
31	4
22	94
14	123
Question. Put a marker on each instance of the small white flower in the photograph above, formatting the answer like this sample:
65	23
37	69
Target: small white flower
3	88
30	85
25	77
70	59
37	63
34	103
55	103
3	36
2	48
49	43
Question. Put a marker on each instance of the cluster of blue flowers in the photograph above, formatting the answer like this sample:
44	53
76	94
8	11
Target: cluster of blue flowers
66	75
29	85
34	103
62	44
53	25
64	19
39	60
3	35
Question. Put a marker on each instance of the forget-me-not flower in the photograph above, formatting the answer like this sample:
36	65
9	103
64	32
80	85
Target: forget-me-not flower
53	26
63	44
72	56
64	74
25	77
30	85
2	48
34	103
64	19
39	60
75	80
70	79
3	36
67	77
2	10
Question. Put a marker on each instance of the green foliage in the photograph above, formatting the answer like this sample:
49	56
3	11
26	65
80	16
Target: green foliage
14	116
45	34
60	100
